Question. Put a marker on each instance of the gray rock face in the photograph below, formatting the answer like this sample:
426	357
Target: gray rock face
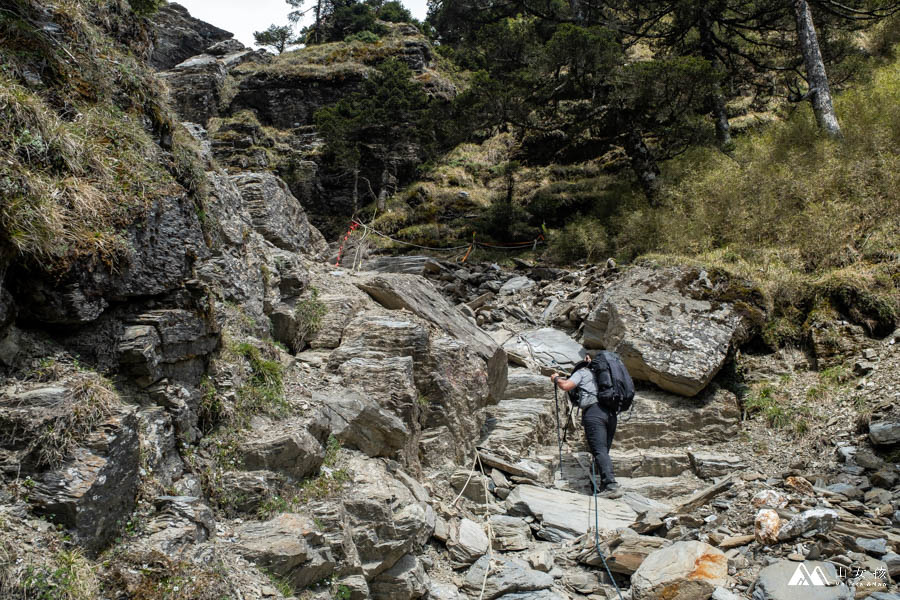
516	284
289	101
340	309
684	570
546	347
521	383
398	360
665	334
165	343
274	211
180	522
817	578
178	36
396	291
359	422
404	581
518	423
95	489
709	464
884	433
385	518
565	515
288	448
281	545
162	461
510	533
443	591
165	244
507	576
467	543
412	265
196	87
664	420
247	490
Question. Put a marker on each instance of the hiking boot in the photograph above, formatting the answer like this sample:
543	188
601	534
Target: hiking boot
611	490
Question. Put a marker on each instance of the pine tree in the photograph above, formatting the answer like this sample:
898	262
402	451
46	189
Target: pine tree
278	37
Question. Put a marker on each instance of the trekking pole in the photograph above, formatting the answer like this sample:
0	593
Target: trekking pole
556	412
597	526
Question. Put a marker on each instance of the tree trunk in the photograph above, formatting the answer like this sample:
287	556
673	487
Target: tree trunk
820	94
717	99
355	188
643	163
318	21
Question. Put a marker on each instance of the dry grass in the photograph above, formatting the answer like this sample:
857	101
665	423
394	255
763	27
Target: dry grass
57	574
85	151
93	399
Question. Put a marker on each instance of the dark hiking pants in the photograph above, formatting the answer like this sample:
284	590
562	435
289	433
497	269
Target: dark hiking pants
599	429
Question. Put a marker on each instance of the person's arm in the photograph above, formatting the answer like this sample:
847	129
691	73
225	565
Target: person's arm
562	383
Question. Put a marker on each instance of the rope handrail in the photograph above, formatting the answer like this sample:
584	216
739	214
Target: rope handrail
504	246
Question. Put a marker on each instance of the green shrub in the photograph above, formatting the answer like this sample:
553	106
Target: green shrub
366	37
308	312
263	392
764	402
582	239
145	8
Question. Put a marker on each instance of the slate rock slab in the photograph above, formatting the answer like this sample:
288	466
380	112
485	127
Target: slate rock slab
789	580
547	347
565	515
507	576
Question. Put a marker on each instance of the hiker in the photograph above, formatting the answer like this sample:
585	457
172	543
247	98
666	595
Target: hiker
599	422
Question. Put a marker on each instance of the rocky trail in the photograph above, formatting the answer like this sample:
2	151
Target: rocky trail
231	415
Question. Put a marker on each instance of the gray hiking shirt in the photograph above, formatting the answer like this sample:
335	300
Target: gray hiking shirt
587	386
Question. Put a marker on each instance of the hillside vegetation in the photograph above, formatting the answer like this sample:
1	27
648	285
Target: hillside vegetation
90	141
814	221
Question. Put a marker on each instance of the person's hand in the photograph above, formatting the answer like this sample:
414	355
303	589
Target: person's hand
554	377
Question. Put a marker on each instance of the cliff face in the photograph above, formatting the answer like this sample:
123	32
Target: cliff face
259	110
178	36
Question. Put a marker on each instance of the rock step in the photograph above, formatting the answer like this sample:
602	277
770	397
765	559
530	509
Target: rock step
518	423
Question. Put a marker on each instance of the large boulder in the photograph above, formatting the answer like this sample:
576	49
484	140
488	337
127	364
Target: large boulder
398	291
885	433
282	545
672	326
547	347
385	518
359	422
406	580
287	448
682	571
428	380
467	543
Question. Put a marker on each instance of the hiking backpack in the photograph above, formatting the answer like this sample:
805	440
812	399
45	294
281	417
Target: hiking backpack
615	389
